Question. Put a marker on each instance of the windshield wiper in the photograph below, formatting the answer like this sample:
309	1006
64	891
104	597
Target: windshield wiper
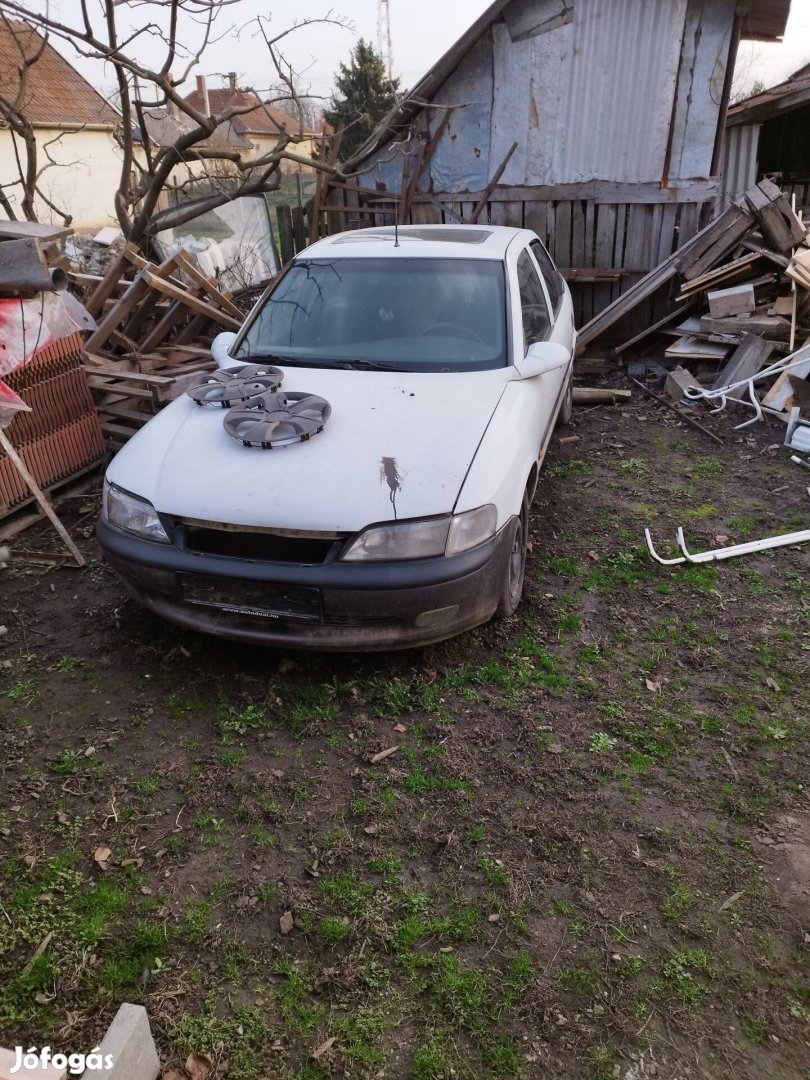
365	365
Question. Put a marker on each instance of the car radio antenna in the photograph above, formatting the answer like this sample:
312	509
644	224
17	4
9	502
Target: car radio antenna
396	230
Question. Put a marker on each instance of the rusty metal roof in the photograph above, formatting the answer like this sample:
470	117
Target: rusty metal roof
55	94
790	94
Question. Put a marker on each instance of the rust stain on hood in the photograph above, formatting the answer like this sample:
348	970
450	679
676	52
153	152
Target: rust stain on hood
389	474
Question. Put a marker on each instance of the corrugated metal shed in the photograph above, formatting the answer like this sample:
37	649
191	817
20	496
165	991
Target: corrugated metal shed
637	32
740	171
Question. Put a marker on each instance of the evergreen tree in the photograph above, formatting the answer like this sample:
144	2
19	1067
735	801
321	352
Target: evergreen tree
364	95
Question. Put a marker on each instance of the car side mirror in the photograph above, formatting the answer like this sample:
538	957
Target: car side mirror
220	347
540	358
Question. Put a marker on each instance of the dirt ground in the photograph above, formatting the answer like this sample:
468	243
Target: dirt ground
589	855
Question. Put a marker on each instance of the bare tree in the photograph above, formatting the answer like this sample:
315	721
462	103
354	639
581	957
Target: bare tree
13	115
144	90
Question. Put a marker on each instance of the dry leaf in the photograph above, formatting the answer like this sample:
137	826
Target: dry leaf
172	1074
371	830
654	686
383	754
773	684
494	917
102	856
400	728
324	1048
286	922
198	1066
30	861
62	817
132	862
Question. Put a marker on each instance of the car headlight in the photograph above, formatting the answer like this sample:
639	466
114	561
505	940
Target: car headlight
423	539
128	512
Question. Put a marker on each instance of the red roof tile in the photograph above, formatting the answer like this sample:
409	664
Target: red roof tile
55	93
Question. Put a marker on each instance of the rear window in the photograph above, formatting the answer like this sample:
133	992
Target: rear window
404	313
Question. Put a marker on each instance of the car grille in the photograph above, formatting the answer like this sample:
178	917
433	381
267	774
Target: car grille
259	546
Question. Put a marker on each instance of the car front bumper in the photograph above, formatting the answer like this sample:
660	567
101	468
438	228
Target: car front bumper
330	606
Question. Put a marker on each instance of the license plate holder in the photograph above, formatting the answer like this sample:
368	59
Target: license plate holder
261	599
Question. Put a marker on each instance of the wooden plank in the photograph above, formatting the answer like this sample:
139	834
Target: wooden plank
299	231
482	202
27	230
286	241
609	191
748	358
800	394
534	217
201	307
147	306
578	235
40	497
116	315
562	234
781	391
693	348
108	285
772	327
714	242
215	294
736	300
672	315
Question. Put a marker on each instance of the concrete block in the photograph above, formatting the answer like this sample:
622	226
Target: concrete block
8	1060
679	380
130	1046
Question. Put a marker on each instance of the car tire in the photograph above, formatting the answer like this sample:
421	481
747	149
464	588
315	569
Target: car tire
567	407
512	588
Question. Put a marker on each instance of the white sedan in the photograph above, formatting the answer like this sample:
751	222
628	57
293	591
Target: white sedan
358	473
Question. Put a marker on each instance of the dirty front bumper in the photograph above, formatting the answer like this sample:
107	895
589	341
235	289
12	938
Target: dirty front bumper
340	606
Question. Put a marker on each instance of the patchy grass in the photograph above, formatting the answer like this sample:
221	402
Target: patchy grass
580	847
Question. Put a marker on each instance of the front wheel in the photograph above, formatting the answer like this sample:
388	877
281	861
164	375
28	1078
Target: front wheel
512	588
567	407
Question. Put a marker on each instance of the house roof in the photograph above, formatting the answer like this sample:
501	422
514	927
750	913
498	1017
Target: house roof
263	119
55	94
793	93
164	129
765	21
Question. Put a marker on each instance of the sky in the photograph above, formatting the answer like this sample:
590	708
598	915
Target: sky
421	31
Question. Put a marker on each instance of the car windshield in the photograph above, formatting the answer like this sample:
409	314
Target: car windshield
400	313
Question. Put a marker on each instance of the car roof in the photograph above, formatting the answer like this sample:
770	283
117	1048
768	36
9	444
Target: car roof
419	241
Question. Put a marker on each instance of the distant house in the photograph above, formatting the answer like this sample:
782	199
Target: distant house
769	134
259	127
618	111
73	124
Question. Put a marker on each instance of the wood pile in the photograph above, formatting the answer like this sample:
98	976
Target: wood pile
741	306
153	326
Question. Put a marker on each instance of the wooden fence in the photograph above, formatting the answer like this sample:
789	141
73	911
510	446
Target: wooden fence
603	236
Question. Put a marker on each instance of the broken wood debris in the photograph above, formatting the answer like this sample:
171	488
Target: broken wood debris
746	280
155	323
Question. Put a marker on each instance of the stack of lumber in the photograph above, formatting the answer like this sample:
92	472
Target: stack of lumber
154	326
741	300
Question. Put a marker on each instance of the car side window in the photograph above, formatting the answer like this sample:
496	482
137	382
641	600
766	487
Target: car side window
551	275
536	320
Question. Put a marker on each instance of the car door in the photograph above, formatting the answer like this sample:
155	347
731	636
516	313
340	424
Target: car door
559	297
539	324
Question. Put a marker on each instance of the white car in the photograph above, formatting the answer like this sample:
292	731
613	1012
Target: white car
378	498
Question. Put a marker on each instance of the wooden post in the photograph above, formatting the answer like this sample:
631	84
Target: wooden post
40	496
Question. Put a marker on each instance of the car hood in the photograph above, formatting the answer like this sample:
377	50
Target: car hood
396	445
